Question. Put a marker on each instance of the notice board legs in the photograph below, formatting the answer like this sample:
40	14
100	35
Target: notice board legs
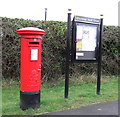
98	77
66	81
99	58
67	55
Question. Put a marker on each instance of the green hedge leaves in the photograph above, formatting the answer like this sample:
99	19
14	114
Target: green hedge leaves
53	52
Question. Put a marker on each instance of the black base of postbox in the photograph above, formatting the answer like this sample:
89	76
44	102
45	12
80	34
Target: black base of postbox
29	100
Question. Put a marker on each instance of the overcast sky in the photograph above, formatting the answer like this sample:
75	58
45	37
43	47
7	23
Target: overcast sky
57	9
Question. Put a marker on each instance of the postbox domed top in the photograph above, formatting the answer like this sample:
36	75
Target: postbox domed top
30	30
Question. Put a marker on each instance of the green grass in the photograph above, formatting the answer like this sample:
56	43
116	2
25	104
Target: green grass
52	97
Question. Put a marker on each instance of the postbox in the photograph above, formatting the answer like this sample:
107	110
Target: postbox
30	67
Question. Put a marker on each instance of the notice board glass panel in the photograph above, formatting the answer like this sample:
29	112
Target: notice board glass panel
86	36
86	41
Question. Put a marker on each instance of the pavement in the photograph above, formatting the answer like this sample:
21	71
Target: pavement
107	108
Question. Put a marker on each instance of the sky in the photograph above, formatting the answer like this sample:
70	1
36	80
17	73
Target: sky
57	9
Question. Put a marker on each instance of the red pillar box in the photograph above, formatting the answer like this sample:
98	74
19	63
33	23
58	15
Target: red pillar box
30	67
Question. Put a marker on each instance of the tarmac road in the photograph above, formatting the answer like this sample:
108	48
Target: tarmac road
107	108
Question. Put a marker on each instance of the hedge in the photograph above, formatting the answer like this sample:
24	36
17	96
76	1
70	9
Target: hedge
54	45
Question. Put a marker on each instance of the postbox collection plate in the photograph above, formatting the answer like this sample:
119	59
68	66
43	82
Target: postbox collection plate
34	54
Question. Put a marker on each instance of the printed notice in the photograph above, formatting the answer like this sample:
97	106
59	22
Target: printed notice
79	55
34	54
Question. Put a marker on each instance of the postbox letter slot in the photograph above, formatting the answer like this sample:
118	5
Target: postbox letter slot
33	42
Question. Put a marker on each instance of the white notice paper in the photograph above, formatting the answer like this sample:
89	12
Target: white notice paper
34	54
79	54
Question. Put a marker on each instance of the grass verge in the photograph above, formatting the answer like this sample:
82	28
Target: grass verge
52	97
